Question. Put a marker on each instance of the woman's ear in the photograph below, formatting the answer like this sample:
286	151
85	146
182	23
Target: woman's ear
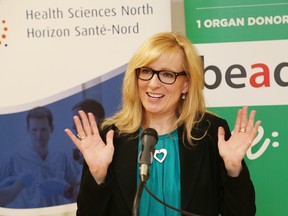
186	86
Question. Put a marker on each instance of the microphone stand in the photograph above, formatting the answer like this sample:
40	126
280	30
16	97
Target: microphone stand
137	198
143	178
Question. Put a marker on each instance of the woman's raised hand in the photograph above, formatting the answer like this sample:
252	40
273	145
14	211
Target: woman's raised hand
233	150
97	154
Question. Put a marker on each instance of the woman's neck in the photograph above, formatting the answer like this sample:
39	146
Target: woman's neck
162	124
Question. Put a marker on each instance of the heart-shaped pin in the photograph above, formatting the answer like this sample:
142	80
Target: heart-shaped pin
160	155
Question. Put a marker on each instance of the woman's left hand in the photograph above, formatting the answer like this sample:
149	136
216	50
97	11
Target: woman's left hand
233	150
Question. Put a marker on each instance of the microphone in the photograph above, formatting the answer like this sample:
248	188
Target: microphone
149	139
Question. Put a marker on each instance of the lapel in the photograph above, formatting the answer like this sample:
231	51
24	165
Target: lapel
126	150
191	162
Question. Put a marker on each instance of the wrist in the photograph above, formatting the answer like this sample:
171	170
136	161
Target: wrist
233	169
99	174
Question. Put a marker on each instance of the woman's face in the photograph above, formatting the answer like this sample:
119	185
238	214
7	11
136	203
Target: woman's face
157	97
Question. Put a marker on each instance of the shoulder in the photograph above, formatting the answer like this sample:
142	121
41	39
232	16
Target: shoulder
118	135
213	120
209	121
207	126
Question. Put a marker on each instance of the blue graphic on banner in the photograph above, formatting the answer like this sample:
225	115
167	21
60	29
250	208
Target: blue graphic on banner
39	165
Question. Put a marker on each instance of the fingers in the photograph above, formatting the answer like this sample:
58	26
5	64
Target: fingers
243	116
238	121
254	131
243	124
85	124
93	123
79	128
221	135
109	138
74	139
250	124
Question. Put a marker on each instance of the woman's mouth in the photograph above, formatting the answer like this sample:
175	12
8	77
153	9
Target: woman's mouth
154	95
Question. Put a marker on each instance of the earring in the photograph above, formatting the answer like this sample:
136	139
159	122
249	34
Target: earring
183	96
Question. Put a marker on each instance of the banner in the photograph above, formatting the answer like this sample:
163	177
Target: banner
243	45
58	57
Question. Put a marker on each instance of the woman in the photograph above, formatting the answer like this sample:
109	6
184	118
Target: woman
203	172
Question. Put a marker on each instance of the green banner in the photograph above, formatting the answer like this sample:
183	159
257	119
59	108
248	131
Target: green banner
207	21
267	159
252	69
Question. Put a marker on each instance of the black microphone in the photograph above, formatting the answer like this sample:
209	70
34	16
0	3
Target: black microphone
149	139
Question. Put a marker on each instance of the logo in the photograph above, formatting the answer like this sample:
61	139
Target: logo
3	33
252	155
259	75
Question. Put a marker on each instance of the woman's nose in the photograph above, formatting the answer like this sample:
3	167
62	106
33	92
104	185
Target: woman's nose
155	82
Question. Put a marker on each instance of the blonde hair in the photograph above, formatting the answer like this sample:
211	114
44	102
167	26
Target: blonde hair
189	111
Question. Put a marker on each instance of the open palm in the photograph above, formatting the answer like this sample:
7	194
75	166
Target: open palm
97	154
233	150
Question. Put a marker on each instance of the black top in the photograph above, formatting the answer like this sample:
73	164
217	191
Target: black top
206	189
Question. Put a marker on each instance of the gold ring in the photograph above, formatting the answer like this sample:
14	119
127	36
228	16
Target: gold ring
81	137
242	130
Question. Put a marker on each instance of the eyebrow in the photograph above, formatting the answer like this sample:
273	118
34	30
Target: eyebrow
164	69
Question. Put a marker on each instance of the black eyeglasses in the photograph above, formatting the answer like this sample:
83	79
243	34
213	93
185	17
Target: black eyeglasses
166	77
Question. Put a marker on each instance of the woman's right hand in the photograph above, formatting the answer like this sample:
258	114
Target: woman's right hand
97	154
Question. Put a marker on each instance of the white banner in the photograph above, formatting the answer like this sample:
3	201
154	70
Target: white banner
51	46
55	54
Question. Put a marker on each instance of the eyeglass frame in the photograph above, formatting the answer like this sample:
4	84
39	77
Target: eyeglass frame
181	73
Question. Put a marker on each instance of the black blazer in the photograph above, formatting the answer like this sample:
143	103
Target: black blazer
206	189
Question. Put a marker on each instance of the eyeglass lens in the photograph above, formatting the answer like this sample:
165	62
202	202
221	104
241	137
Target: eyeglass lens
166	77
